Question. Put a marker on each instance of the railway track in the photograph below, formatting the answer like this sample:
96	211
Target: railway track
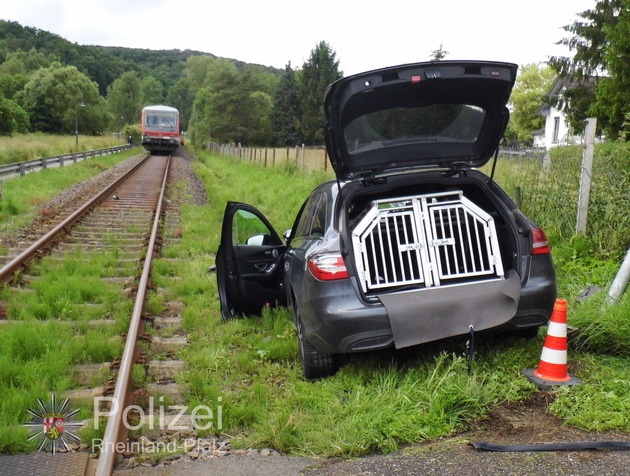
97	260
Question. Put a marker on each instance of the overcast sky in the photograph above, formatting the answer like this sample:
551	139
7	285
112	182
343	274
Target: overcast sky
364	34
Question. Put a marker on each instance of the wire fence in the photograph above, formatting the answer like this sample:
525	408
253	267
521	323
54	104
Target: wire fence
306	159
545	184
550	189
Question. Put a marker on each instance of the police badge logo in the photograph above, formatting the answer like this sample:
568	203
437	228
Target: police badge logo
53	425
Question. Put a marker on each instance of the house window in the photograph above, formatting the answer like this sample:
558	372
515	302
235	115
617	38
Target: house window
556	129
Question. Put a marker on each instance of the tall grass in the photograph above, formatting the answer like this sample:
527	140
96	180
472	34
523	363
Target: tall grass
35	360
23	147
377	401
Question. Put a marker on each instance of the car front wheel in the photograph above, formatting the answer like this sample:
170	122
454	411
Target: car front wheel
315	364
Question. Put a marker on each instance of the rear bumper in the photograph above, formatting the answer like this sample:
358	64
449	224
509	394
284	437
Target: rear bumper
336	321
538	295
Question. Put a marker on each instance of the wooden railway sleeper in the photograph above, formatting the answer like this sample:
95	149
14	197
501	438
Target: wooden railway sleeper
149	318
108	388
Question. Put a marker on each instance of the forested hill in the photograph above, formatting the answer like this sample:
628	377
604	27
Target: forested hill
103	64
49	84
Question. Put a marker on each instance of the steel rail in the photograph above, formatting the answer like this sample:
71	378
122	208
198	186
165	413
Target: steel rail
114	430
8	270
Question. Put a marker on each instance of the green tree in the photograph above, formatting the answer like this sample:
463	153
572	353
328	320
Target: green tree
12	84
232	109
285	113
12	117
321	69
151	91
215	108
199	127
439	54
588	40
198	71
21	62
124	98
600	44
612	98
179	97
532	84
53	98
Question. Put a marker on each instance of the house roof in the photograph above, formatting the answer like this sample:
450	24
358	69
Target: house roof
556	88
554	92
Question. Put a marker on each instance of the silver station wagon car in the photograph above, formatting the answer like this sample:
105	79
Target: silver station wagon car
411	244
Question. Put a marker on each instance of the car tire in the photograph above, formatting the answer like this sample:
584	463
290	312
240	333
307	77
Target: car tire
315	364
527	333
227	310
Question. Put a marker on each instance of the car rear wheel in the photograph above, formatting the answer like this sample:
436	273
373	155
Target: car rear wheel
315	364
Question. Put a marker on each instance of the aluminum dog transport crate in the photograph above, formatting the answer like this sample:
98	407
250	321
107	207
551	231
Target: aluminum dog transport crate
425	241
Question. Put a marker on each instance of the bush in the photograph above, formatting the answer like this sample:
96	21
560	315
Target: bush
12	118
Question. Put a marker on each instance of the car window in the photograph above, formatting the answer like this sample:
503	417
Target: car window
312	221
248	229
306	218
459	123
319	219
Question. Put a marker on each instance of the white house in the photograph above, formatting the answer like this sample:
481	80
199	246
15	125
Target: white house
556	130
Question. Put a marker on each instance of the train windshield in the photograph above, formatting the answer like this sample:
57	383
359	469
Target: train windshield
160	120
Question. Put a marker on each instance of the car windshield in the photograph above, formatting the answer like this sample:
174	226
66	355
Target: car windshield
433	123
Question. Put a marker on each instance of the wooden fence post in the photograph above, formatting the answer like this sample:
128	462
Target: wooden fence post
585	175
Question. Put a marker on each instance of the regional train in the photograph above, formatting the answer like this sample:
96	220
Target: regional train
160	129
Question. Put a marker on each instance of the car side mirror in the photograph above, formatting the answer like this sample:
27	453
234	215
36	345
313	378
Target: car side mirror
260	239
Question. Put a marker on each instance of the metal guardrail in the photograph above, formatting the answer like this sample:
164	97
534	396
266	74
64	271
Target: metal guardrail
23	168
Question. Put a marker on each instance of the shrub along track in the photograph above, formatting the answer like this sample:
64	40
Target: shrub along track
118	236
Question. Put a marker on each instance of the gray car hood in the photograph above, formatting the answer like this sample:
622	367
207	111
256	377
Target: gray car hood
424	115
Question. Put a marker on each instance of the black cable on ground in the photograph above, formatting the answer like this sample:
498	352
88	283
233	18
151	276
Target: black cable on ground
568	446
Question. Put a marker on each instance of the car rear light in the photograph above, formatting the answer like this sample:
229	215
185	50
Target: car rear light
540	245
328	267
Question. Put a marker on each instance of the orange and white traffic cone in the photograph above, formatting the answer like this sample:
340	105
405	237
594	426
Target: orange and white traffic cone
552	369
